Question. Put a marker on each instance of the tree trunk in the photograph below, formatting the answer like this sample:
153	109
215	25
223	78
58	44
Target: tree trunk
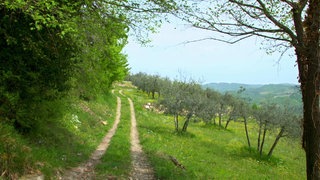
263	138
246	129
276	141
227	123
186	123
153	93
308	57
220	119
176	122
220	115
259	136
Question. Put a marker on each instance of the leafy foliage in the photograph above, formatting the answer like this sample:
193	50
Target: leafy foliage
208	152
35	66
189	100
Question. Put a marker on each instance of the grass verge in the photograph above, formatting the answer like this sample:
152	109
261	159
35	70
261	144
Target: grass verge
116	163
60	142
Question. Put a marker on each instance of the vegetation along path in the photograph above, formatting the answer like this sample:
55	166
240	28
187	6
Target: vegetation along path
86	170
141	168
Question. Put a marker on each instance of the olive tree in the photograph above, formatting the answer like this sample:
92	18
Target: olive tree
172	100
180	98
283	24
209	106
286	124
275	119
264	115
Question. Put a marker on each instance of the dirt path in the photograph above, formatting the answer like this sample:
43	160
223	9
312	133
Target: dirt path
86	170
141	169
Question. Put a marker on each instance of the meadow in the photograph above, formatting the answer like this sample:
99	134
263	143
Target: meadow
204	151
210	152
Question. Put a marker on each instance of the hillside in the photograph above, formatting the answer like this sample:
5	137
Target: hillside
205	151
209	152
230	87
278	93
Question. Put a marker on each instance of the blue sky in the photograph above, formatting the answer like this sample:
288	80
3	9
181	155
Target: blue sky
209	61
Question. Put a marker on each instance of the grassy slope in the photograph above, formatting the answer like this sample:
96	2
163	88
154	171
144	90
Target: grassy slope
76	145
208	152
61	142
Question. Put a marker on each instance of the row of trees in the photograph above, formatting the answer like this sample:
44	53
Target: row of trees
54	49
188	100
281	25
51	49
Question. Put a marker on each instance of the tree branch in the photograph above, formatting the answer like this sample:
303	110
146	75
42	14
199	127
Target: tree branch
276	22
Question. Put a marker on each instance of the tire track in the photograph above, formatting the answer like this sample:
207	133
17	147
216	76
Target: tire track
141	168
86	170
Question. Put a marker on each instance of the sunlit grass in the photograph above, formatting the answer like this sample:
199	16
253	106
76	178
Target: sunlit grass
206	151
60	143
209	152
117	160
68	143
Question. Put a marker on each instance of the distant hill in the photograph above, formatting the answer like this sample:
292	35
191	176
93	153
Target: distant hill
230	87
256	93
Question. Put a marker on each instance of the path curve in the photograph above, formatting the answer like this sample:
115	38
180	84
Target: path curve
86	170
141	168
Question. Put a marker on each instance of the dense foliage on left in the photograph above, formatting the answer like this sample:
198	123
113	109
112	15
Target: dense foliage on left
52	54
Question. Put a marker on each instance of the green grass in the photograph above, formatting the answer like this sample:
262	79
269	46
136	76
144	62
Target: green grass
60	142
69	143
206	151
117	160
209	152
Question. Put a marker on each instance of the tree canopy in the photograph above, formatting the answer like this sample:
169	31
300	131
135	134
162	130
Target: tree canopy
283	24
54	48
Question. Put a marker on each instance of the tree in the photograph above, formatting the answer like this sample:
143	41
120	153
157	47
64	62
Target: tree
242	110
36	59
229	103
222	101
286	24
287	124
192	102
171	100
180	98
282	120
264	114
208	106
101	39
51	47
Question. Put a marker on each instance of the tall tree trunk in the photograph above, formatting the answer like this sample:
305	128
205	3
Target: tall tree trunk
308	57
263	138
276	141
246	129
